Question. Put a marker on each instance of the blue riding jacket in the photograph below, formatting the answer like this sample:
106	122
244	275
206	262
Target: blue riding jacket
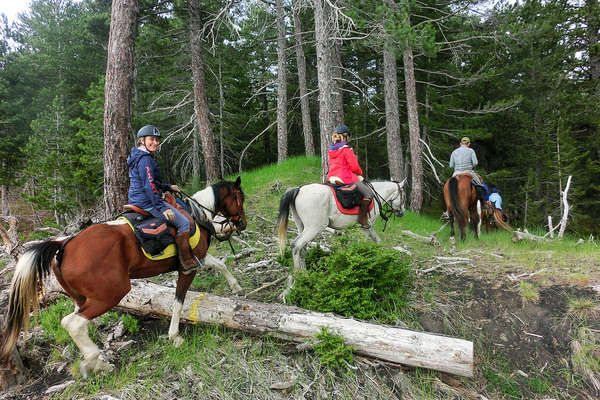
145	186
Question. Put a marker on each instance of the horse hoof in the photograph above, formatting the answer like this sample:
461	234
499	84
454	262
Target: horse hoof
177	341
94	365
103	366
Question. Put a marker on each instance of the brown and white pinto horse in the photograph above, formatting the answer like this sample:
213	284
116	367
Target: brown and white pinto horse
95	268
462	205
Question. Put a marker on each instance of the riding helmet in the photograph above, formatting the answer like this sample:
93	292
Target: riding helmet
148	130
343	129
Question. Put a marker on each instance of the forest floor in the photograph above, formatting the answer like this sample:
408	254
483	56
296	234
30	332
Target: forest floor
531	310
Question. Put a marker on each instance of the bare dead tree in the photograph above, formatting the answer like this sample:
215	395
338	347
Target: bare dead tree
117	103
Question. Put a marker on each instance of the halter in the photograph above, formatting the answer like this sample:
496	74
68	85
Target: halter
386	213
227	221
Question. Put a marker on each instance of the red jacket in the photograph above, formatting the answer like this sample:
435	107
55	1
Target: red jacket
343	164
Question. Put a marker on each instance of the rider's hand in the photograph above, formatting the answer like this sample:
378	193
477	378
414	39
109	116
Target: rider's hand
175	188
360	178
169	214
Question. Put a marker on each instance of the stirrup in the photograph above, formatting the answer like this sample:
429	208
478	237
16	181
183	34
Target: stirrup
199	263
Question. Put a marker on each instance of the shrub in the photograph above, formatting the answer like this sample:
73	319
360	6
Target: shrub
363	281
130	323
332	349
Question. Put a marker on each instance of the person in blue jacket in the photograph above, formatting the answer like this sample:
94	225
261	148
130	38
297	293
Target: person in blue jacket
146	190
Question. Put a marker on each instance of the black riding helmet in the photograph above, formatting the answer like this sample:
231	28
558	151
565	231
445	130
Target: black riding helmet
343	129
148	130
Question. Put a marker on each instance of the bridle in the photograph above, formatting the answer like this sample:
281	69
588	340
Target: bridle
386	212
232	220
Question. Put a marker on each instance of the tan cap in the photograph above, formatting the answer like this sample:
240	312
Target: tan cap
465	140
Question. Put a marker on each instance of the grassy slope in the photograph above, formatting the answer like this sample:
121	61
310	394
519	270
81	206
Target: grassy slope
219	363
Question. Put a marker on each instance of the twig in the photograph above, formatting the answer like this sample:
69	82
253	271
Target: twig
266	285
515	315
452	259
533	334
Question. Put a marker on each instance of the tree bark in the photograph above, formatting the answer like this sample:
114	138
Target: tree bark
338	84
593	27
201	110
5	207
393	344
416	193
117	103
392	115
309	147
282	145
324	63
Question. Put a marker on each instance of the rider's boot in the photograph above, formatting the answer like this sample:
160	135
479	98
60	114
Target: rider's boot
186	258
363	212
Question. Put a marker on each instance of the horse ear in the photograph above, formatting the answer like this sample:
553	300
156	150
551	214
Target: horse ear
238	182
402	183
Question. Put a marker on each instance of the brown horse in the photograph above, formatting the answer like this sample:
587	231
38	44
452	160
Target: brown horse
462	205
95	268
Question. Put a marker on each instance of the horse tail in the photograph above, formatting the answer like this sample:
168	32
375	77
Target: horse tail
461	219
33	266
500	221
288	199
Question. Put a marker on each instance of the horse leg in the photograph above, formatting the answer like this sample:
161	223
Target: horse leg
451	218
183	284
77	324
478	232
370	232
298	251
222	268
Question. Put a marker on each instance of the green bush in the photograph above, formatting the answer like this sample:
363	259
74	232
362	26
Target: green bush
364	281
130	323
332	349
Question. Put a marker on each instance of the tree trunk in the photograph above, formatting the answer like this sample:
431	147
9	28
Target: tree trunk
221	122
4	205
267	137
201	110
326	104
392	115
416	193
338	84
593	27
393	344
117	103
282	146
309	147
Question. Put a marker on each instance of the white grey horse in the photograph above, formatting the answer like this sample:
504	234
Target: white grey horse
314	208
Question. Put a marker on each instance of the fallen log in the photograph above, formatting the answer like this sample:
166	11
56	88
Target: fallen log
432	240
388	343
518	235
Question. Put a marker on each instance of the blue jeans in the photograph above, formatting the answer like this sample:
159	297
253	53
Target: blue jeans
182	224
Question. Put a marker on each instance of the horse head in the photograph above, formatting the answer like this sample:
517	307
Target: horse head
398	199
229	200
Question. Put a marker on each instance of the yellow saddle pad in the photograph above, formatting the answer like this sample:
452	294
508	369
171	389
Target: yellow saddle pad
170	250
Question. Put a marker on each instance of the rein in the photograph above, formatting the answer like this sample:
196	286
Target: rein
220	238
385	213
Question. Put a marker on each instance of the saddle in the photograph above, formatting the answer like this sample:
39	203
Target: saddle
156	236
347	198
